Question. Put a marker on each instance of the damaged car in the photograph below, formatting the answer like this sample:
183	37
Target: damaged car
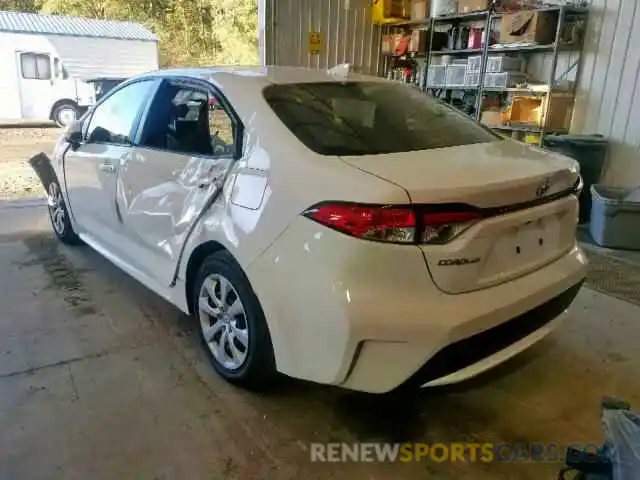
337	228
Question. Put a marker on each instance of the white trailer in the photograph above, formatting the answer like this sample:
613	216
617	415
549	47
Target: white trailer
46	60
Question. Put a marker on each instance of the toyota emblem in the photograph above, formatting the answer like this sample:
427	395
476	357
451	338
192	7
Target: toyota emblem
543	188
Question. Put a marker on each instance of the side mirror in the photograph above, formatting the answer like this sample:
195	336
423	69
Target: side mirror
73	134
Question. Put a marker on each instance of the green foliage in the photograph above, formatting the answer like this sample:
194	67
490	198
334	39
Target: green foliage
191	32
20	5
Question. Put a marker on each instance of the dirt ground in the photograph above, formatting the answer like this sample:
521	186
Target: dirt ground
101	379
17	145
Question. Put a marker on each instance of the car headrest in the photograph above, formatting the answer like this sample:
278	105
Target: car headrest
180	111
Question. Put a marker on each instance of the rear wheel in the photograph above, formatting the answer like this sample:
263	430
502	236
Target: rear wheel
232	325
60	216
65	113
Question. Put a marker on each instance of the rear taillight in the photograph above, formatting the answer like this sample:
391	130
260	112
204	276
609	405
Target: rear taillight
395	224
442	227
381	223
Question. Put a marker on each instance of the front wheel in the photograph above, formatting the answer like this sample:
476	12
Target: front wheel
232	325
59	215
65	113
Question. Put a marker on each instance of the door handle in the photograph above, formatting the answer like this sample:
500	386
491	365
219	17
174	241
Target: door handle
107	167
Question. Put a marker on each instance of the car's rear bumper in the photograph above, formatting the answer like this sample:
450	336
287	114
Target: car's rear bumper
367	316
471	356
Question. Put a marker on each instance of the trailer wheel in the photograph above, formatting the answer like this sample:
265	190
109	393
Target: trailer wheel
64	113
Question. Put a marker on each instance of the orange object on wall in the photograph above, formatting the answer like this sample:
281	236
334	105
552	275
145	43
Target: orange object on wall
402	48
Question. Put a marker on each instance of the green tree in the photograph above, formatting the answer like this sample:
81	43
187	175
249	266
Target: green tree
20	5
191	32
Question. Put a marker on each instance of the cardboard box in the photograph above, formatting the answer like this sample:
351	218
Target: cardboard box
492	118
419	9
386	11
526	110
419	39
530	111
560	112
467	6
528	27
396	8
387	44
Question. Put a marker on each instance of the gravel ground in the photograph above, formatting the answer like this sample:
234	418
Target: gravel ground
17	146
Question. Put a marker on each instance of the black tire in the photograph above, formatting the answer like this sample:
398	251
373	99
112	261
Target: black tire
258	371
58	113
59	215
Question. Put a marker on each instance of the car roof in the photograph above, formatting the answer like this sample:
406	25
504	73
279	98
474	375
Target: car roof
259	76
103	79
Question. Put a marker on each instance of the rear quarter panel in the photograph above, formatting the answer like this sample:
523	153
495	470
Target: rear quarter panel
276	179
267	190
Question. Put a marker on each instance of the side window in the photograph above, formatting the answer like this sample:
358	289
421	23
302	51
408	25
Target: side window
57	69
187	120
35	66
221	125
112	121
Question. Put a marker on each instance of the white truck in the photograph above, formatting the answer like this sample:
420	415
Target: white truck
47	62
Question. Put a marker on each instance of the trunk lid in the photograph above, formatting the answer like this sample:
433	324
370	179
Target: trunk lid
485	175
519	233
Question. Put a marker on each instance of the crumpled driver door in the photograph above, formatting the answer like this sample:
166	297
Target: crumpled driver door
178	166
160	198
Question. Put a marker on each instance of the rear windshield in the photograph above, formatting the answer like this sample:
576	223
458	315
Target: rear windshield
368	118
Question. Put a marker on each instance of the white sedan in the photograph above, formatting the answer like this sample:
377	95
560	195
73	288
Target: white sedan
341	229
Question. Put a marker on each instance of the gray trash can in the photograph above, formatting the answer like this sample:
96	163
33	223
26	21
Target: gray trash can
590	151
615	217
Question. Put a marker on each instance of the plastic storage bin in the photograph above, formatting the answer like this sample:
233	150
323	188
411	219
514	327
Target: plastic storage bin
504	79
474	64
436	75
471	79
590	151
443	7
503	63
455	75
615	217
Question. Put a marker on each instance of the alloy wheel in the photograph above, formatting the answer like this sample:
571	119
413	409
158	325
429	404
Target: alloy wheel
223	322
56	208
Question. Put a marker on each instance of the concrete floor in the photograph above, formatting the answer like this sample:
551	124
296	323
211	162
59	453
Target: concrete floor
99	378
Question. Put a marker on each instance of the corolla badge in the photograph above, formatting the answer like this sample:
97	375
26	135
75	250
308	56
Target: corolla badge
451	262
543	188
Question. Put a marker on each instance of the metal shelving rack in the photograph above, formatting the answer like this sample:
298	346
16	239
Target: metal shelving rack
452	20
567	14
405	24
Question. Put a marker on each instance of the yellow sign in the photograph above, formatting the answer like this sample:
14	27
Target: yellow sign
315	43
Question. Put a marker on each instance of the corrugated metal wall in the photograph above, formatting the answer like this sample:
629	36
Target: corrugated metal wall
609	92
608	100
97	57
348	34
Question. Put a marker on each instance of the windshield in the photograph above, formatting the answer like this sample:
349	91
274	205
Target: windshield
366	118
